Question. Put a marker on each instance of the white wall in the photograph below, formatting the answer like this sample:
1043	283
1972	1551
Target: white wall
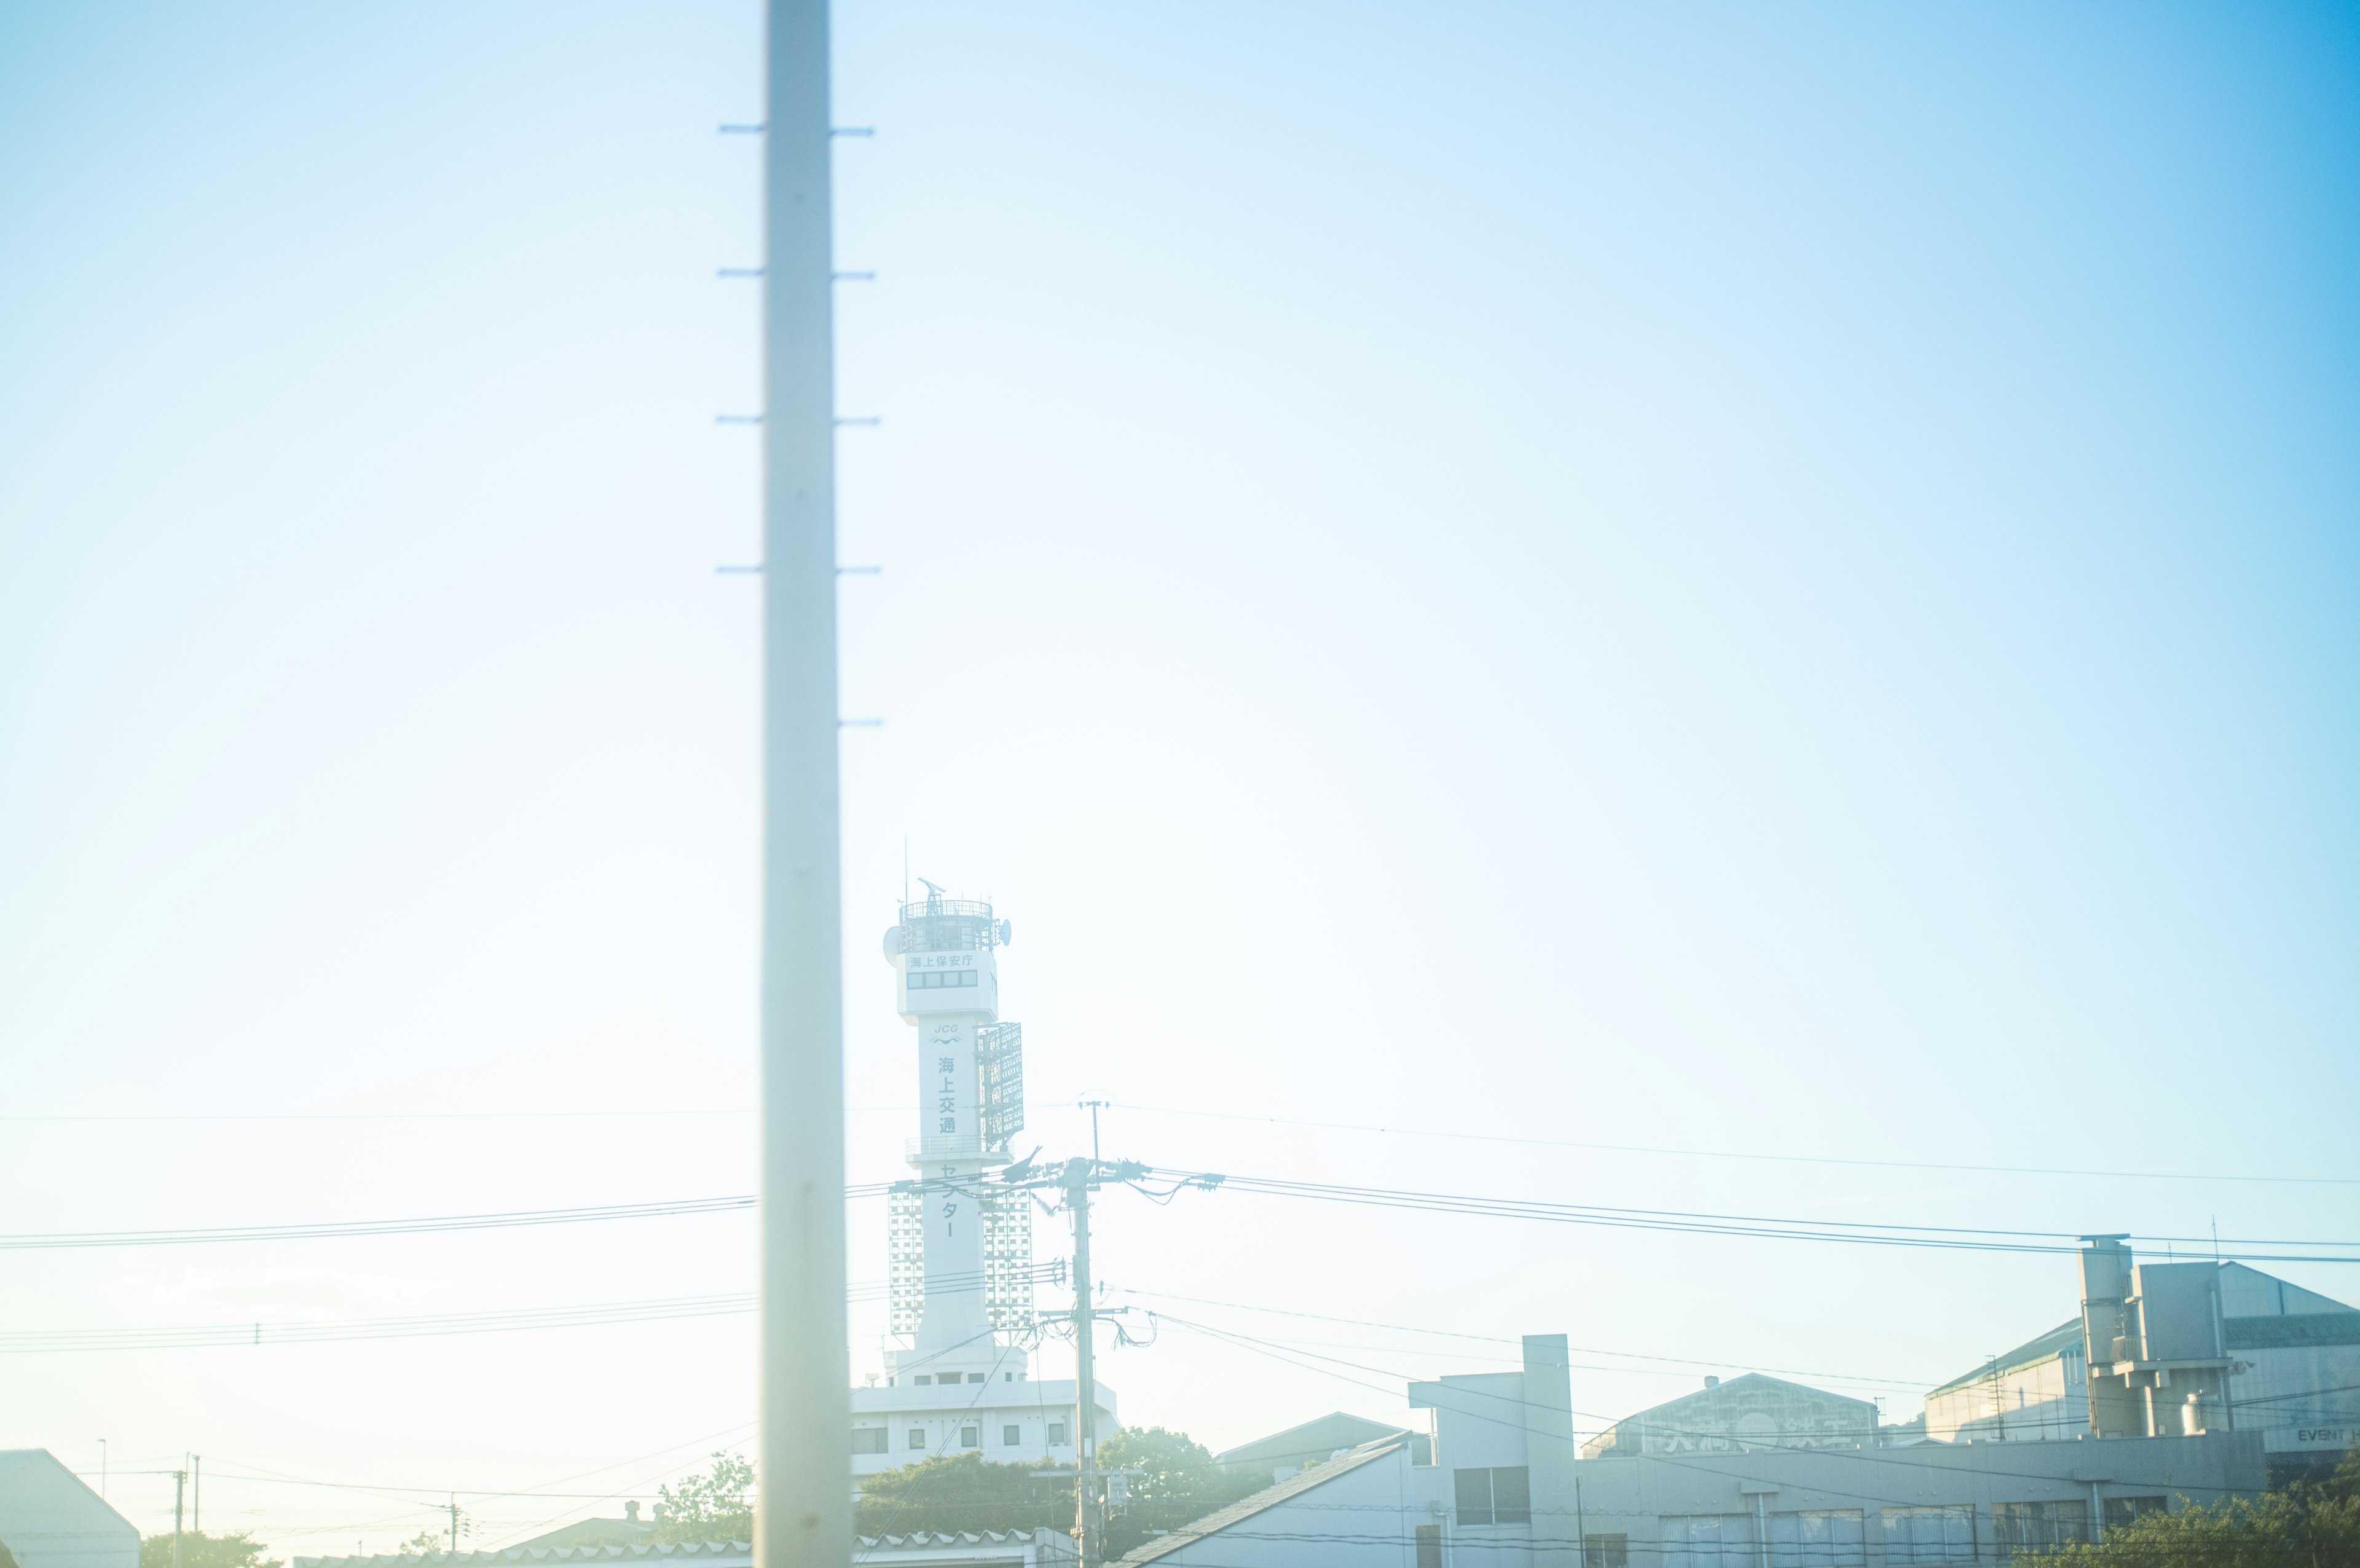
50	1520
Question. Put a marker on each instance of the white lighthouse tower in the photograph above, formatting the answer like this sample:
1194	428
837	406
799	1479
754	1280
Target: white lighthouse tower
957	1374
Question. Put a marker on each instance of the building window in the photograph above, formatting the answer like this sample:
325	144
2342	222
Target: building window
2040	1526
869	1440
1605	1552
1820	1538
976	1377
970	1437
917	1438
1009	1436
2122	1511
1499	1496
1942	1534
1057	1431
1429	1546
923	1378
1512	1494
1707	1541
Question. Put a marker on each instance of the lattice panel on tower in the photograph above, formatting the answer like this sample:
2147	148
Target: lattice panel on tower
1000	1070
1008	1258
905	1252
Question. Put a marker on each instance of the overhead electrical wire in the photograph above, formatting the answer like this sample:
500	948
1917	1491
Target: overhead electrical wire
1675	1221
332	1330
1664	1149
1501	1339
1693	1223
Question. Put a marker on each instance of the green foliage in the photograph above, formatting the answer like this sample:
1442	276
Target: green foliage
423	1543
1178	1484
963	1491
235	1549
711	1506
2309	1525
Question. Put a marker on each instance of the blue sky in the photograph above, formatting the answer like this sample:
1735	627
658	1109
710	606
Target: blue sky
1768	581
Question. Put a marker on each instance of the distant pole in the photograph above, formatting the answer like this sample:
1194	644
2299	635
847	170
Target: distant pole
102	1467
197	1493
179	1489
455	1522
805	1517
1078	1175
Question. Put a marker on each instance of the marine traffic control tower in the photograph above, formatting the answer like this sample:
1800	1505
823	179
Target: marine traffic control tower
958	1362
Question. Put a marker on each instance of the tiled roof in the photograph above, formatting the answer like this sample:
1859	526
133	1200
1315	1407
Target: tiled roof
1295	1485
659	1552
945	1538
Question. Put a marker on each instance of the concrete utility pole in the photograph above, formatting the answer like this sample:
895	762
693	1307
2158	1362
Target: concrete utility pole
455	1524
1088	1526
197	1493
804	1519
179	1490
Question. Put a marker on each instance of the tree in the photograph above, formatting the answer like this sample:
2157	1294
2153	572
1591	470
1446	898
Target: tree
1178	1484
420	1545
963	1491
711	1506
234	1549
2307	1525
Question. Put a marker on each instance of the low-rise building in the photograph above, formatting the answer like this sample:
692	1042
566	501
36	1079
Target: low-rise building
991	1406
49	1518
1505	1490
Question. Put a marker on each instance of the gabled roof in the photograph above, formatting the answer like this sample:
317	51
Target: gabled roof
1268	1498
1316	1439
2031	1353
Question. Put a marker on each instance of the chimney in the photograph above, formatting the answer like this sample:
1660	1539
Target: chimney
631	1510
1711	1382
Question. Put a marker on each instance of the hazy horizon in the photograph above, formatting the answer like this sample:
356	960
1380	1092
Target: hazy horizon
1571	583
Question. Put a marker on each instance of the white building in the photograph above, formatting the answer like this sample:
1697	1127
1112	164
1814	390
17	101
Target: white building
1505	1491
958	1379
50	1520
2178	1348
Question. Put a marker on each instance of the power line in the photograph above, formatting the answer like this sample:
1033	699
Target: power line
333	1331
1688	1221
1741	1154
1499	1339
1679	1221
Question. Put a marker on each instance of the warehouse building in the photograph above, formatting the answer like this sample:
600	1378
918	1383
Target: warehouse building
2173	1349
